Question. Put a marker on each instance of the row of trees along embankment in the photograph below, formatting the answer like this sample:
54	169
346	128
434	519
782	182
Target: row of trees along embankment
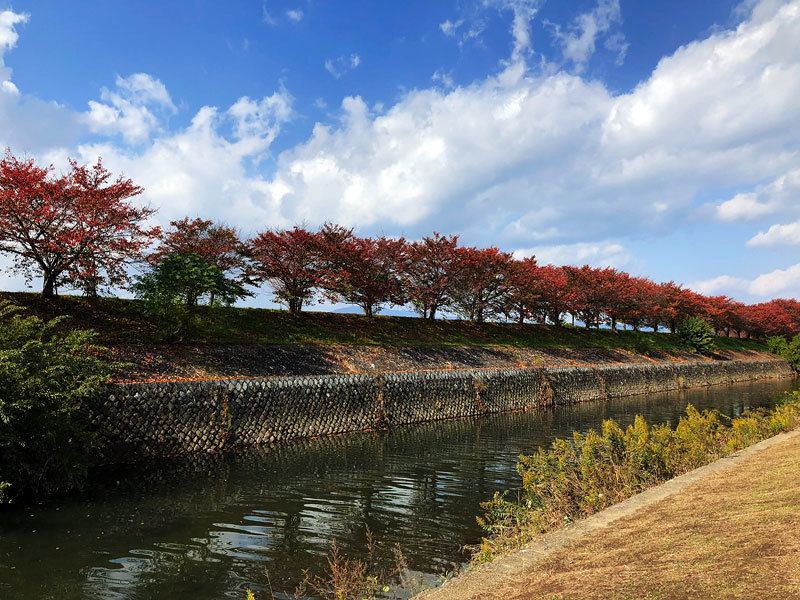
81	231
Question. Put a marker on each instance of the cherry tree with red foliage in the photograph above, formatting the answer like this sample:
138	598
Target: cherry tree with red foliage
555	296
290	262
600	294
523	294
217	245
432	264
639	308
483	280
362	271
78	229
674	304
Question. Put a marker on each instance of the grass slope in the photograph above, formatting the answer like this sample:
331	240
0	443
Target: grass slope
123	321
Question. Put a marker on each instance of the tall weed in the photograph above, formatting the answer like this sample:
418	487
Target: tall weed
576	478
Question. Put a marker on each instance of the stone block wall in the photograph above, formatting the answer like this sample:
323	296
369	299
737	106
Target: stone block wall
174	418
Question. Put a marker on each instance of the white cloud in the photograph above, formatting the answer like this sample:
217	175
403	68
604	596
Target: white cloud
339	66
777	283
8	39
777	234
294	15
266	16
536	159
128	109
449	28
446	79
779	196
579	42
601	254
724	284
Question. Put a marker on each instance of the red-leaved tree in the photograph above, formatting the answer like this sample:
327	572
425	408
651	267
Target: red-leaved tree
290	262
217	245
555	296
432	265
362	271
523	295
482	282
78	229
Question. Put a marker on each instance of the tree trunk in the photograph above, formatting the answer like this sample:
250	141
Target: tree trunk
48	286
613	323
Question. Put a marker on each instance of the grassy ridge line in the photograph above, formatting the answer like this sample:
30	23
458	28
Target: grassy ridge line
123	321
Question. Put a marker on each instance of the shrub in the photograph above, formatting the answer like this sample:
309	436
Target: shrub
697	335
789	351
576	478
777	344
173	287
46	374
643	344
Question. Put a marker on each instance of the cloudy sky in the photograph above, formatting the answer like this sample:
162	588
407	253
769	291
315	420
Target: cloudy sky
661	138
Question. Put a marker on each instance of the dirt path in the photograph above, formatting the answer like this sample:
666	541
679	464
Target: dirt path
728	530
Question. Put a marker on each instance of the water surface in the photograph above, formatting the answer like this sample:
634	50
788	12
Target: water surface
209	528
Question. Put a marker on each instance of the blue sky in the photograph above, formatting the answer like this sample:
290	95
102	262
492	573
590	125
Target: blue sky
661	138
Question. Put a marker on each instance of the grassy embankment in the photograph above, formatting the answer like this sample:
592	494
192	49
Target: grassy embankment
120	321
730	536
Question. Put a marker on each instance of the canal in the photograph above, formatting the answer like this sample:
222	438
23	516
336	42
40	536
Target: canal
211	527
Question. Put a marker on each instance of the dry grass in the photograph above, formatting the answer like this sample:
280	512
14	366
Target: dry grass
733	536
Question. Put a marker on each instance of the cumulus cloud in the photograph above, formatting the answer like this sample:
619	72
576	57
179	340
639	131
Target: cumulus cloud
777	235
777	197
341	65
8	39
578	42
777	283
519	153
294	15
601	254
542	159
129	110
201	171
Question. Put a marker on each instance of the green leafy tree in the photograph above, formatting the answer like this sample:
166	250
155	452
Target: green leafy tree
46	375
697	335
172	288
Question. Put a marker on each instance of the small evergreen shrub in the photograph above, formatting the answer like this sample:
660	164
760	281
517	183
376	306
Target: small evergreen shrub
46	374
697	335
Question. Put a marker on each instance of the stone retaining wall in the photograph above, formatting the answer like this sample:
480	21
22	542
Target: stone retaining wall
173	418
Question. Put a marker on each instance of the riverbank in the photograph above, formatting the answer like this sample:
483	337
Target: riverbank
726	530
168	418
252	342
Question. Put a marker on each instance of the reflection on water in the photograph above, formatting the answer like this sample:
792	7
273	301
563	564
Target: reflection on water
208	528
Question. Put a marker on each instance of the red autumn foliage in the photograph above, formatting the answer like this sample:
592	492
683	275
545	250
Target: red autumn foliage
555	296
290	262
362	271
217	245
428	277
78	229
523	294
481	284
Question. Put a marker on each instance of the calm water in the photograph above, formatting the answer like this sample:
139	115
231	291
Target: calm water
208	529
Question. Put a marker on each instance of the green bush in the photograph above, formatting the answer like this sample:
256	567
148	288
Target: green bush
697	335
172	289
777	345
789	351
576	478
46	374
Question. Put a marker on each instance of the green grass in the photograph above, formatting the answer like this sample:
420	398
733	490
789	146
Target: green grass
123	321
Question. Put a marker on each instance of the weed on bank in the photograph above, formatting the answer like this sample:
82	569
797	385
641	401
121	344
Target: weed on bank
577	478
